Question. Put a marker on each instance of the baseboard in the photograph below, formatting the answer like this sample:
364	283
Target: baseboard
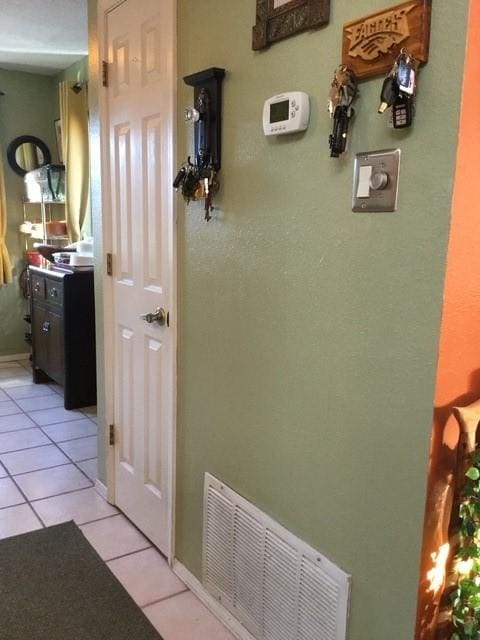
101	489
15	356
219	611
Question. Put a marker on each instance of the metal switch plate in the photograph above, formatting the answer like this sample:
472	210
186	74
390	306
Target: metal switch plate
375	180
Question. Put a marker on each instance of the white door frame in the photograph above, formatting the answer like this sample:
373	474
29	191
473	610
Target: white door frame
103	7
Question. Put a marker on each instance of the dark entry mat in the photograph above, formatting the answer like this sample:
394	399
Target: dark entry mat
54	586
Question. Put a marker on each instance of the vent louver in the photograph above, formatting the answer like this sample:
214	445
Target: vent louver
277	586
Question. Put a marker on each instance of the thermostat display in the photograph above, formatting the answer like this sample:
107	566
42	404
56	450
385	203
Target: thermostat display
286	113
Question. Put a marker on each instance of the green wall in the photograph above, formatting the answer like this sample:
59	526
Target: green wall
69	74
26	108
307	333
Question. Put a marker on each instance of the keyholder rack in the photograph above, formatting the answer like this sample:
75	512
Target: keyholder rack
206	114
198	180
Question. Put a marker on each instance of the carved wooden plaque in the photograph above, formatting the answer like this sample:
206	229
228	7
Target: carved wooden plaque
372	43
278	19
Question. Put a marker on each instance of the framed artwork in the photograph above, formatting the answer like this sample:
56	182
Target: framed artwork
58	136
279	19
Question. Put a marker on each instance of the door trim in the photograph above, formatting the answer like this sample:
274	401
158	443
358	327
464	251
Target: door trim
103	8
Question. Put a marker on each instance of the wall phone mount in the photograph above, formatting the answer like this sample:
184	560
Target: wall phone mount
206	114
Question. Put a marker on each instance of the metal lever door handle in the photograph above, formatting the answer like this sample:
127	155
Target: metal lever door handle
159	316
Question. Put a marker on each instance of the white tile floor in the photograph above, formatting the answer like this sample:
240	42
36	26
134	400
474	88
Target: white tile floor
47	474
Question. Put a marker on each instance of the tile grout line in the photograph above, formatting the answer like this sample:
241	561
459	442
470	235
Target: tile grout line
112	515
24	473
75	416
42	395
69	458
27	413
39	446
54	466
40	426
27	501
62	441
172	595
35	514
91	483
36	426
62	451
130	553
56	495
36	446
19	488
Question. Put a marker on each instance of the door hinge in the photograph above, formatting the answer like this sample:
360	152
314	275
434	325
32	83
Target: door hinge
111	434
104	73
109	264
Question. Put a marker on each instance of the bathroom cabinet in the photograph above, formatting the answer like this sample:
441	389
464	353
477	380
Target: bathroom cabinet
63	332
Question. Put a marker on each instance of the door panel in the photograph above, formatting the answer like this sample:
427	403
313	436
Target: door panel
48	338
152	232
56	346
125	391
140	41
123	201
40	337
153	413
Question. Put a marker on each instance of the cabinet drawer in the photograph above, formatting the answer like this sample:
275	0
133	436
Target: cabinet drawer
38	287
54	292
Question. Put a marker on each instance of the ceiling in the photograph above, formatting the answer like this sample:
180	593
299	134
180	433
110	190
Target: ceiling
42	36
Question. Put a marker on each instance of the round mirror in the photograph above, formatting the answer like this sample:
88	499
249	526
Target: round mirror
27	153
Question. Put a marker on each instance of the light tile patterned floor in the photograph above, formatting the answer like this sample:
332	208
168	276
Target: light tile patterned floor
47	473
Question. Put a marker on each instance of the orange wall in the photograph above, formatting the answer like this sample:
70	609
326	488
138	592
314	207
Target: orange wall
458	373
459	355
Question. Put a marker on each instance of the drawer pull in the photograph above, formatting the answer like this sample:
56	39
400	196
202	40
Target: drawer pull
46	327
36	288
53	293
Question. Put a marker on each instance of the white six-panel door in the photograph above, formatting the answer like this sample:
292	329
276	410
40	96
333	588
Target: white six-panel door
140	40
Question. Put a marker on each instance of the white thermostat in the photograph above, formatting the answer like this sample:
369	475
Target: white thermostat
286	113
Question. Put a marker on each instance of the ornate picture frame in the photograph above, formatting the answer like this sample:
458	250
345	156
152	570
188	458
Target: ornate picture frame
279	19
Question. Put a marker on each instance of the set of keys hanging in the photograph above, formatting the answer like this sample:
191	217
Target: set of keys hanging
398	91
197	183
342	94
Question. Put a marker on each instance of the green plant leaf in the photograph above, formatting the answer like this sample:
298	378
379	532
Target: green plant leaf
465	597
470	527
473	473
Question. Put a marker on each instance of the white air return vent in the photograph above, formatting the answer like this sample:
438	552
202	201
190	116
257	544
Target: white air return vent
277	586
